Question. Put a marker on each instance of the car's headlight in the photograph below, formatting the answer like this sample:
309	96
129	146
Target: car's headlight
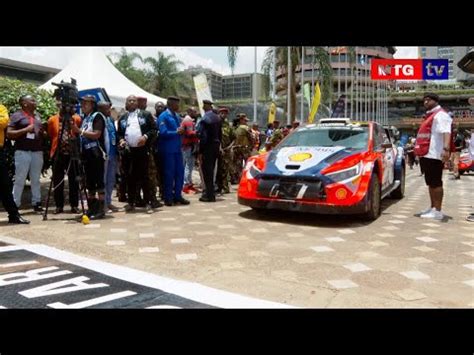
346	174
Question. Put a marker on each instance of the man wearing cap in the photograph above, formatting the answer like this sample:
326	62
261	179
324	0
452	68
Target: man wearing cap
243	144
93	155
6	195
136	131
159	109
224	161
26	130
433	146
171	156
210	137
61	154
277	134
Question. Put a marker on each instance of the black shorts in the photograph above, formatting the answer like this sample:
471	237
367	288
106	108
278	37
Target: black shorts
433	170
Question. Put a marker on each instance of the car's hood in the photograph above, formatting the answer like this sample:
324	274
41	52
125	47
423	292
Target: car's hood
304	160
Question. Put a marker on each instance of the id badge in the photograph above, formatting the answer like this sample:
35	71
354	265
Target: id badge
30	136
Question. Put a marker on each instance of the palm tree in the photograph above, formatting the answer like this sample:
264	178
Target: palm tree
125	64
321	58
164	74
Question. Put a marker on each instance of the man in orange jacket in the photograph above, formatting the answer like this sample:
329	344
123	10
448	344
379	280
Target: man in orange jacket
61	155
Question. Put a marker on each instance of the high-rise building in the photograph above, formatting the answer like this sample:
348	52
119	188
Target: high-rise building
214	80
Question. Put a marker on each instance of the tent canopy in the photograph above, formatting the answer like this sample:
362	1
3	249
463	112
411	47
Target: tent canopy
92	69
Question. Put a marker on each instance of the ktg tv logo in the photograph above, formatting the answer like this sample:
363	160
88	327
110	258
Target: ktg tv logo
410	69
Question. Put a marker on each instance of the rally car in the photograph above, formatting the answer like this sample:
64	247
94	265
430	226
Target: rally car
333	167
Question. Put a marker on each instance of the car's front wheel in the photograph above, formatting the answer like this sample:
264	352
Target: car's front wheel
374	199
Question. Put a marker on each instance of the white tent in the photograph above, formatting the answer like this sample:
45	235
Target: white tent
92	69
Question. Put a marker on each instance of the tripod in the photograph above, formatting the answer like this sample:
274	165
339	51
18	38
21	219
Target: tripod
74	162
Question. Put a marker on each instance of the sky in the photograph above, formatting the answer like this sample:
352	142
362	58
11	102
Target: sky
210	57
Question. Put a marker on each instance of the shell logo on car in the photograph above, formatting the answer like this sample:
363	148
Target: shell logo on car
299	157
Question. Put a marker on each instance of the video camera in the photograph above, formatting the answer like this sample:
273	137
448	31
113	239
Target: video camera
67	93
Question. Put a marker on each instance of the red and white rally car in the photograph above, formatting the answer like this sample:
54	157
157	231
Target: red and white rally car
336	166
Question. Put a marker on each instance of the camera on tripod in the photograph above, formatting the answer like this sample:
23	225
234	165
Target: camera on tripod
67	93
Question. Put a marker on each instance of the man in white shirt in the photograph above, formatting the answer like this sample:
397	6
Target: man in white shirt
438	153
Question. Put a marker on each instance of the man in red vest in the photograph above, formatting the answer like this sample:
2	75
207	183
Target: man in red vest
433	146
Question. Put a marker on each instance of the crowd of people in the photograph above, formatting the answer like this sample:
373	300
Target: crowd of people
148	157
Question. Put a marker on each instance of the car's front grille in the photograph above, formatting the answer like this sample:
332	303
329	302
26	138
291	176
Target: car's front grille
290	188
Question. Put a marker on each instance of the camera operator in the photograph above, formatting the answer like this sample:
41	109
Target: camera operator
93	154
61	155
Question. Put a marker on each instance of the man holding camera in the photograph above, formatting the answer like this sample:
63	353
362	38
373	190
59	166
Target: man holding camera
136	131
93	154
61	154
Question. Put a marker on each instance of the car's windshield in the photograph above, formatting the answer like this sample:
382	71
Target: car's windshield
349	137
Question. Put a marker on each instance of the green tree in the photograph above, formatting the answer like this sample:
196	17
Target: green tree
125	64
164	74
11	90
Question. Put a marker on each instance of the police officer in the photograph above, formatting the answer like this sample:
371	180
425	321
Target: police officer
224	161
171	156
210	135
243	144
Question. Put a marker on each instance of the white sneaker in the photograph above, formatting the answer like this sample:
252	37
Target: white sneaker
434	214
428	210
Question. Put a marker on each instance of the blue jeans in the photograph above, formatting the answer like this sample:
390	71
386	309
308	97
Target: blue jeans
27	162
109	178
188	160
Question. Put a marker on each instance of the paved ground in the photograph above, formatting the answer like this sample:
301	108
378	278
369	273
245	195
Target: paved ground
303	260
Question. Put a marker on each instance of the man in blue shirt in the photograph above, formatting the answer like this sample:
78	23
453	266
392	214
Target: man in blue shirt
171	156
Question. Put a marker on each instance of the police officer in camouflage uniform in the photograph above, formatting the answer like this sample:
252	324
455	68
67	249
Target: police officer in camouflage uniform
243	144
277	135
224	160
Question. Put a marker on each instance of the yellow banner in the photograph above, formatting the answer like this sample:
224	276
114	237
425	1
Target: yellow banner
315	105
272	113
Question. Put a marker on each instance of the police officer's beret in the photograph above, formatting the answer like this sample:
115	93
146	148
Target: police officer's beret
207	102
104	103
223	109
173	98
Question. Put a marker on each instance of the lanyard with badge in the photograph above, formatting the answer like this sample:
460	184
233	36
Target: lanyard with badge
30	135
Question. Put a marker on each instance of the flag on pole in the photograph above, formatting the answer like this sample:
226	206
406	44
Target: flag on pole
203	91
272	113
307	94
315	105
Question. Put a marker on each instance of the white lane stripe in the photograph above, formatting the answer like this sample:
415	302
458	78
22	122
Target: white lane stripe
19	263
190	290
